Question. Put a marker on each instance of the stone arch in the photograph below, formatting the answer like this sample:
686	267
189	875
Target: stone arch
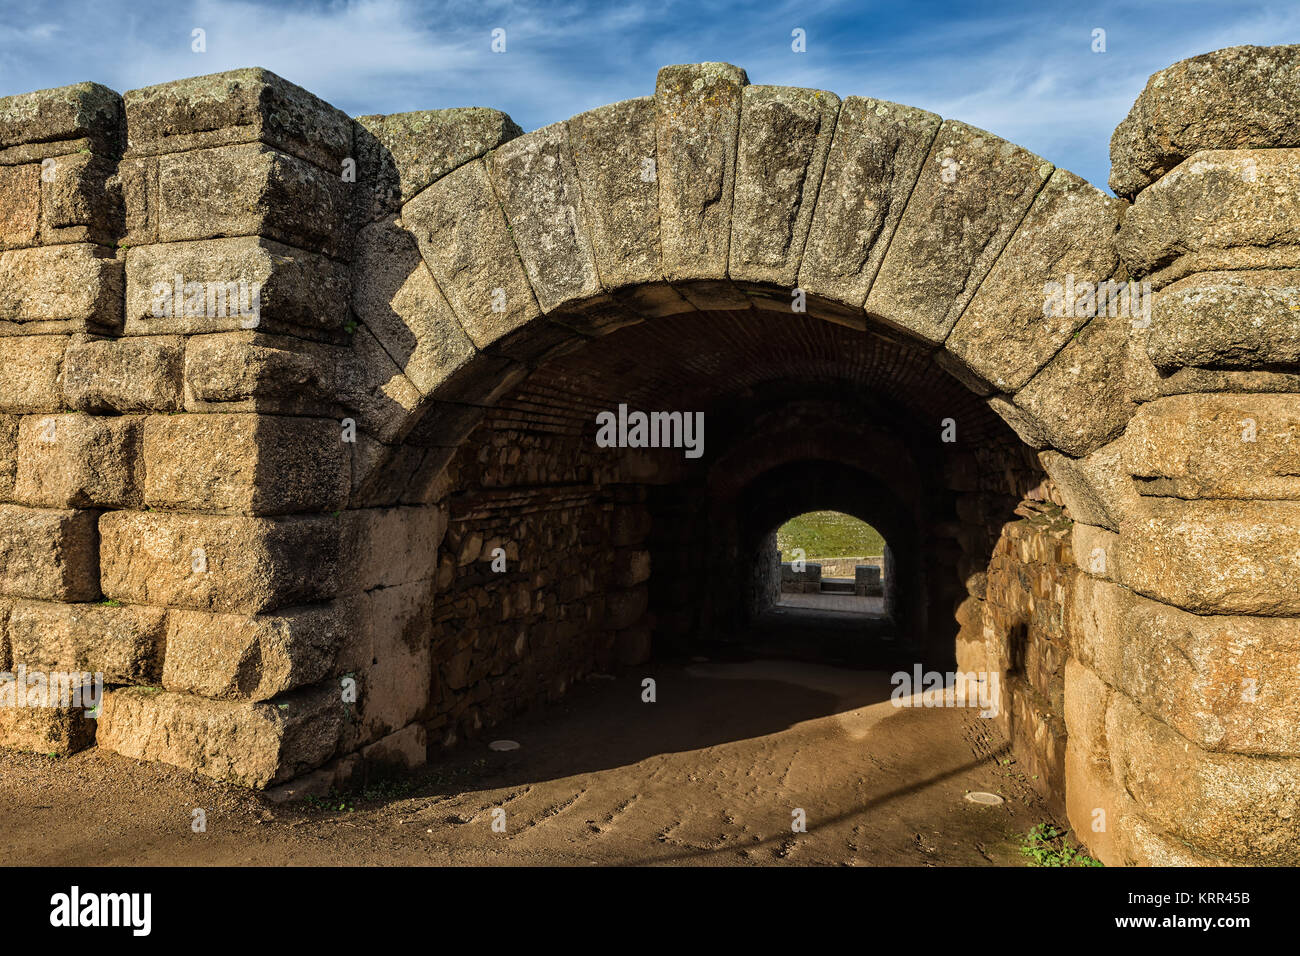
714	194
463	260
716	197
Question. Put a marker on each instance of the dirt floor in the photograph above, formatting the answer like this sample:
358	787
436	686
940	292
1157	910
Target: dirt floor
709	774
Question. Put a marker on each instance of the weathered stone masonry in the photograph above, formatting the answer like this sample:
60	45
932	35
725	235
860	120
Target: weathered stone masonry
180	507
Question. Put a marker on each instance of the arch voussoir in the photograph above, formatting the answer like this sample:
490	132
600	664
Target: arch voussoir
971	194
1003	335
872	164
785	135
536	181
396	298
1072	377
466	241
697	126
400	154
615	153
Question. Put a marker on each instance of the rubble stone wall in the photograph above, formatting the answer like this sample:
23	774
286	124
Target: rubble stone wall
1019	630
541	579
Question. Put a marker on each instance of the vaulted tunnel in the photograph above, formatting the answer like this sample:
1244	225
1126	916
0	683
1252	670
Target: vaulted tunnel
616	554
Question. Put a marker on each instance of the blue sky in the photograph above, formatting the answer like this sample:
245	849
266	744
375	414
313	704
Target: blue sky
1025	71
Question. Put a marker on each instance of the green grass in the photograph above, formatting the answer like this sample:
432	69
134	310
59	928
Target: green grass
1045	845
828	534
388	788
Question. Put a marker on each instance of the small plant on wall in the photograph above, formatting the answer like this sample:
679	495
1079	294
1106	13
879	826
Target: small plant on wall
1046	845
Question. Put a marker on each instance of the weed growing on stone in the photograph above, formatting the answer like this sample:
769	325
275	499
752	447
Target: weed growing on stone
330	802
1045	845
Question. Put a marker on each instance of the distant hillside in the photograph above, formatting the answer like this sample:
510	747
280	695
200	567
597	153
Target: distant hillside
828	534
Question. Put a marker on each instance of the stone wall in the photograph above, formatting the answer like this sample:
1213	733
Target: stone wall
1020	631
179	464
805	581
541	579
769	576
1180	700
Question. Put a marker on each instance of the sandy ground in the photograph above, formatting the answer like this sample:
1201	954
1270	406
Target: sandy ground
834	602
709	774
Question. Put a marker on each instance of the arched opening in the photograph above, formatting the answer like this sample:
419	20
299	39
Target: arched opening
825	560
629	351
819	593
570	553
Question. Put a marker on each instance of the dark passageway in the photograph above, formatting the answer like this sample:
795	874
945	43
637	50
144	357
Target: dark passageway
799	415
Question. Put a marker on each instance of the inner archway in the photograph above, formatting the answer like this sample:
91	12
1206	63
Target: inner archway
831	560
654	553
